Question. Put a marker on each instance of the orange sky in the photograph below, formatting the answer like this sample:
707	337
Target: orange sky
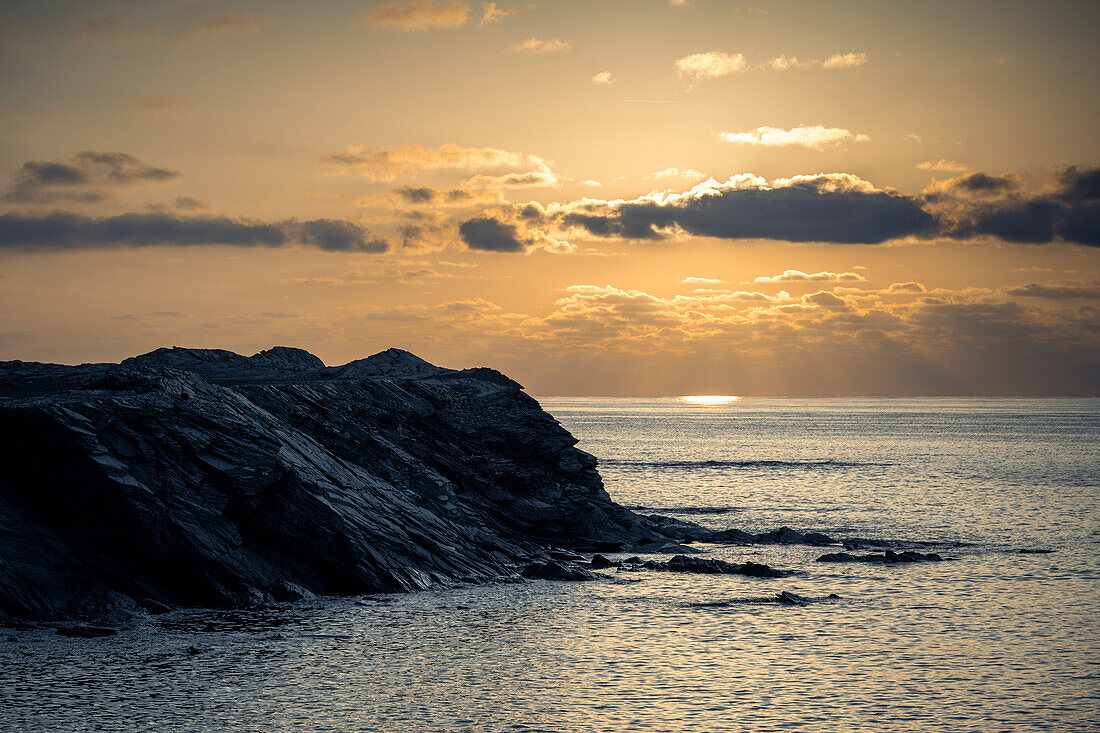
616	197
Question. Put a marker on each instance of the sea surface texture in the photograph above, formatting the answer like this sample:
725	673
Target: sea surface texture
991	640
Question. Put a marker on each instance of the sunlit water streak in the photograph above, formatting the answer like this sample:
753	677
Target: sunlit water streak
994	640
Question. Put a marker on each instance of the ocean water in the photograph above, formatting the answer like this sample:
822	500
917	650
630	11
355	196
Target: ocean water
993	640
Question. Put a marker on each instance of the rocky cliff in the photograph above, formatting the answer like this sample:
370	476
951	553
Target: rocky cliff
203	477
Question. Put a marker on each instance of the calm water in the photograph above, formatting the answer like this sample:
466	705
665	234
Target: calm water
994	641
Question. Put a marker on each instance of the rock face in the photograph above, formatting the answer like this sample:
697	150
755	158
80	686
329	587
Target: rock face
203	477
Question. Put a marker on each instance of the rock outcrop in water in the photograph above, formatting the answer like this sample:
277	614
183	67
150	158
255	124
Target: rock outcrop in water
203	477
889	557
711	566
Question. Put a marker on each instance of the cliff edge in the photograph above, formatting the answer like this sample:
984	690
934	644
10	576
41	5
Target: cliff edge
204	477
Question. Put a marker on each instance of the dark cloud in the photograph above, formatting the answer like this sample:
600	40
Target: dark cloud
80	178
1030	222
337	235
67	231
1069	211
187	203
1058	291
833	208
1080	185
491	235
805	211
843	209
980	183
416	194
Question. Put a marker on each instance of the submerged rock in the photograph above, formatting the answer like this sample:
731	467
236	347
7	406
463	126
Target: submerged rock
203	477
1033	551
786	598
888	557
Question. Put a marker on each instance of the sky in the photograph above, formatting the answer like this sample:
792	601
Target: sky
607	197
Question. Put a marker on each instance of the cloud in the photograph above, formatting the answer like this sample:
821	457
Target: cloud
837	207
67	231
824	299
679	3
816	137
906	287
785	63
539	45
604	77
710	65
420	15
1067	290
976	184
80	178
943	164
688	173
180	203
836	61
491	235
161	103
238	24
492	13
702	281
430	195
388	163
844	61
111	30
978	204
798	276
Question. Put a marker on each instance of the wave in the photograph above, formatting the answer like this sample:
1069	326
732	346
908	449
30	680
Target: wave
829	463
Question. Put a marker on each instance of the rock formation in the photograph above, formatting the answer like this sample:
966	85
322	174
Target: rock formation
203	477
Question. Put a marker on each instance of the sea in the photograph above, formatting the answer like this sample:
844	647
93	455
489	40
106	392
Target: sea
991	639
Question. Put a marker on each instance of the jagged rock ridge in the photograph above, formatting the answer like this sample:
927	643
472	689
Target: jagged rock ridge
200	476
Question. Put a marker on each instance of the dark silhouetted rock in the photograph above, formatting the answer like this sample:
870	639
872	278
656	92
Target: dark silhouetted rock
731	537
203	477
781	536
787	536
554	570
710	566
599	562
889	557
786	598
85	631
791	599
193	650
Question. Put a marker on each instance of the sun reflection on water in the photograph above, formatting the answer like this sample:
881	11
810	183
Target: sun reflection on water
710	399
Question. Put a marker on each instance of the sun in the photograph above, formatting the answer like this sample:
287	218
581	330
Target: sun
710	400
